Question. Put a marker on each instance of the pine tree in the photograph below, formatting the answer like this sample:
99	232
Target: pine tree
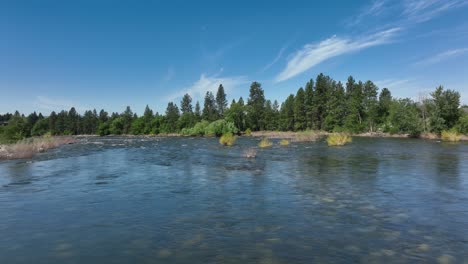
370	105
309	103
287	114
197	112
127	119
210	113
385	99
221	101
300	110
256	107
172	116
186	104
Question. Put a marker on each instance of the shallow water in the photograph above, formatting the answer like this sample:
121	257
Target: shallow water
190	200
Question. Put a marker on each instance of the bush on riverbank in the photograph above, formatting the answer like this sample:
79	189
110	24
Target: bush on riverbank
450	135
264	143
216	128
338	139
27	148
227	139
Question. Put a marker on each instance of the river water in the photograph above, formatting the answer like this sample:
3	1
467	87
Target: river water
191	200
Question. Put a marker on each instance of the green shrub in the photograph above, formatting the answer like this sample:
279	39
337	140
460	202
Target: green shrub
248	132
264	143
338	139
450	135
220	127
227	139
462	126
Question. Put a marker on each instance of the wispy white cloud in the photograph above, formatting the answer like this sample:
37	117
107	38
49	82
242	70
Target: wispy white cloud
376	8
391	83
57	104
402	13
313	54
208	83
442	56
424	10
275	60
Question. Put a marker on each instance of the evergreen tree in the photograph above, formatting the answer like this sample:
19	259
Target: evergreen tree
287	114
127	120
320	99
210	113
354	118
300	122
52	123
197	112
172	116
221	101
256	107
336	108
186	104
309	103
385	100
370	105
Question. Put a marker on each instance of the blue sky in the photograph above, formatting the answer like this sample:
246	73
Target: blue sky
110	54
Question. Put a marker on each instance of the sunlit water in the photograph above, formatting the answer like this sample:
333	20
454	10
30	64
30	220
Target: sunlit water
190	200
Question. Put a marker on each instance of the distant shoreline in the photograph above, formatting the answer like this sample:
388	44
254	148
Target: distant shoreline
27	149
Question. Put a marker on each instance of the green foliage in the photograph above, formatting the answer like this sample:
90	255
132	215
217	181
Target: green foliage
186	104
287	114
220	127
462	126
265	143
338	139
324	104
256	107
117	126
403	118
210	112
300	110
445	112
248	132
284	142
197	130
104	129
450	135
227	139
221	102
236	114
172	118
40	128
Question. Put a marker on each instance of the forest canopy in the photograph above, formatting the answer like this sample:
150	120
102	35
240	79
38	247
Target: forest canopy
322	104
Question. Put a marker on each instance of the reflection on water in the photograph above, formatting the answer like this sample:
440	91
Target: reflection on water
190	200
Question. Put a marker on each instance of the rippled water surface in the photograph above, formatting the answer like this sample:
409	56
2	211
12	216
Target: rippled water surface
190	200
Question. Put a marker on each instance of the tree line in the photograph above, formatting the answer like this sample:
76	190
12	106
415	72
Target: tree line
322	104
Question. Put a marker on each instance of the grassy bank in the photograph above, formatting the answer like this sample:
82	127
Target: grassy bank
27	148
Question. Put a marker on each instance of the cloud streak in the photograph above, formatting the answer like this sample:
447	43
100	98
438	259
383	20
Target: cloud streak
425	10
275	60
313	54
442	56
391	83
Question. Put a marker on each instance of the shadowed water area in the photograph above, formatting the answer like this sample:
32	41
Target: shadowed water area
191	200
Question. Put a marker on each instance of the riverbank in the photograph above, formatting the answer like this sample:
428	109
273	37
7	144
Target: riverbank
314	135
29	147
